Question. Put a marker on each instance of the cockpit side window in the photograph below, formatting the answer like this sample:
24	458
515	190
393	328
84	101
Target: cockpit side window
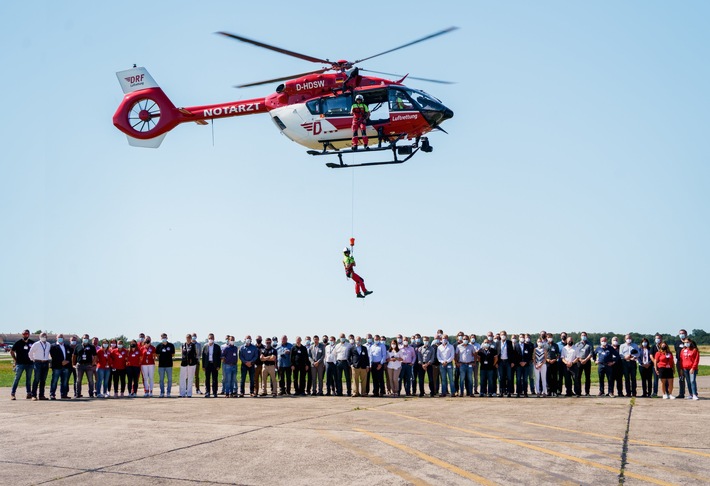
314	106
399	101
337	105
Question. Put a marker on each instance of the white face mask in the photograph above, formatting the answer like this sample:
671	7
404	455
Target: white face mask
527	340
231	343
504	337
614	342
539	345
352	341
405	343
246	341
43	339
628	341
426	342
211	341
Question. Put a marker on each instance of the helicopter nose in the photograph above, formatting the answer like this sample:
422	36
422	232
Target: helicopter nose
447	113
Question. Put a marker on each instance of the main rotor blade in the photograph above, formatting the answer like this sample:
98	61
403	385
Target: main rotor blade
431	36
268	81
399	76
274	48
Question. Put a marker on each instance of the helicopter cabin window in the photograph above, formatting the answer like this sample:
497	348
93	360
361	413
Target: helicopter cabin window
314	106
399	101
337	105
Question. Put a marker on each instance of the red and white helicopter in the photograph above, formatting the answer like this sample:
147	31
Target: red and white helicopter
312	109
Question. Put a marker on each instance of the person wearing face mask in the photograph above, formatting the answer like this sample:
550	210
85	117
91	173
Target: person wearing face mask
664	367
316	357
360	364
524	356
283	353
689	361
445	353
604	358
377	356
342	352
226	343
425	358
84	359
258	364
584	354
119	356
553	358
268	371
539	360
165	351
230	356
331	365
307	343
394	365
679	345
645	368
39	354
211	363
476	347
506	356
618	368
629	352
569	361
188	363
560	365
60	355
73	340
198	348
148	366
22	363
248	354
466	357
368	342
409	357
457	373
488	361
655	348
103	369
300	365
133	367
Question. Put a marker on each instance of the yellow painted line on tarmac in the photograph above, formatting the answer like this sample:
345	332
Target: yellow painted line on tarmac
560	455
631	441
374	459
433	460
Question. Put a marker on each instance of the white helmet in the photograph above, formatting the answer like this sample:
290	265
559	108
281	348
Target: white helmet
346	250
359	98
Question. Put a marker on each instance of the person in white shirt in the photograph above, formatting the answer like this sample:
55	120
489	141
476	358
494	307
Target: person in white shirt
342	353
571	370
394	365
445	354
330	365
39	354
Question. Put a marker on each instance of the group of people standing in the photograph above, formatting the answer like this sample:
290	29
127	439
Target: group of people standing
518	366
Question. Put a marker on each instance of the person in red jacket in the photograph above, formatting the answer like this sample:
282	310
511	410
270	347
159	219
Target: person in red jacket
664	368
103	369
119	356
133	367
349	262
148	366
361	113
689	361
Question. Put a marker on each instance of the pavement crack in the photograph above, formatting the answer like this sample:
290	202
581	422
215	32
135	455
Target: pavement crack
625	444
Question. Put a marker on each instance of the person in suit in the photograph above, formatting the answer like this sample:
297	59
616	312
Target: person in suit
506	361
316	356
524	356
211	361
360	363
60	355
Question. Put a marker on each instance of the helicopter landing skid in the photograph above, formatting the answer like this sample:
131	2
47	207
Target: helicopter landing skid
343	165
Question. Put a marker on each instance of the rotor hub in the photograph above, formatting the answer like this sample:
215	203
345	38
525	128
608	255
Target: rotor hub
144	115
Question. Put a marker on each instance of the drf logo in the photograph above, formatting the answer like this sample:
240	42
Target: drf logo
134	79
314	127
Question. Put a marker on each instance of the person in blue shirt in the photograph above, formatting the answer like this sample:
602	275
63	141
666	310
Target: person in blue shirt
248	355
604	357
283	353
230	355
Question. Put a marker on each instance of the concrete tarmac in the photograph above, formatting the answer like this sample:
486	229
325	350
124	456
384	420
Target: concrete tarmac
365	441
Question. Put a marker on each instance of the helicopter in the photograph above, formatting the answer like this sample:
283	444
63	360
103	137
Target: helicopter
311	108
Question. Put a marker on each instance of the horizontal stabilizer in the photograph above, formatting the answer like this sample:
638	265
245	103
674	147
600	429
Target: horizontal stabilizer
147	143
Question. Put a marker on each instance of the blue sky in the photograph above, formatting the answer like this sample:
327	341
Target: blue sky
571	191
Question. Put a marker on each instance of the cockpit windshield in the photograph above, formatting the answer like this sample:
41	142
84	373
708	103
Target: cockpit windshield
425	101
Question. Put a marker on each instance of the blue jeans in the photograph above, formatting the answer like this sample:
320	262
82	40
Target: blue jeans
102	375
690	381
63	374
162	373
488	382
505	376
41	370
405	375
229	374
27	370
447	378
522	374
466	378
